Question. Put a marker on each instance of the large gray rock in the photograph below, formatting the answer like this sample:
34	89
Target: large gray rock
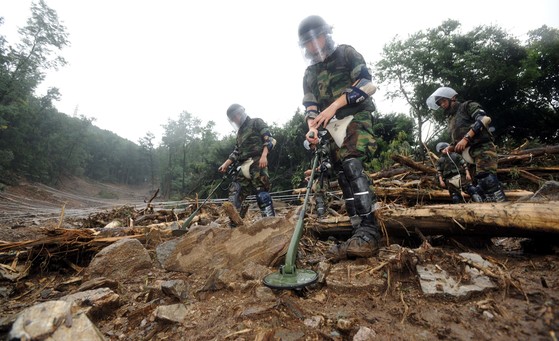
119	261
95	303
435	281
53	320
209	248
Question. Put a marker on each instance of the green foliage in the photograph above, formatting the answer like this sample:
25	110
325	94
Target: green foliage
188	147
516	84
289	159
394	135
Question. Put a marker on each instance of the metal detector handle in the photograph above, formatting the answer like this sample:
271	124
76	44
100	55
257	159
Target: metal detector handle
289	267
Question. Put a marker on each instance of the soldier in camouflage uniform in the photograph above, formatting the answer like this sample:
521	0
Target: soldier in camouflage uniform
337	88
468	125
454	175
254	142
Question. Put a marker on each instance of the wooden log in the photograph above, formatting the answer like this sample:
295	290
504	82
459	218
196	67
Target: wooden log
389	173
232	214
538	151
412	164
423	194
527	154
527	219
509	219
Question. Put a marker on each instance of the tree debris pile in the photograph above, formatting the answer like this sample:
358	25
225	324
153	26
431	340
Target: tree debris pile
207	284
467	271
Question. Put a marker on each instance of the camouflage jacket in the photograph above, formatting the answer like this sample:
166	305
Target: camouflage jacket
451	165
251	138
461	119
324	82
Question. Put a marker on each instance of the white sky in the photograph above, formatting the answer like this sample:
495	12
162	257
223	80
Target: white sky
133	64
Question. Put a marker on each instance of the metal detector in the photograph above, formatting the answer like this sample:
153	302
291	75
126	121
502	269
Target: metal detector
231	170
289	277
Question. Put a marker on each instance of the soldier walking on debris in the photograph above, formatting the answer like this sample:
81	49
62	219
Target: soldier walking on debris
337	88
454	175
468	125
254	142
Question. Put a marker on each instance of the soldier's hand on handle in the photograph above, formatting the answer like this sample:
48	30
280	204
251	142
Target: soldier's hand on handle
324	117
223	167
312	135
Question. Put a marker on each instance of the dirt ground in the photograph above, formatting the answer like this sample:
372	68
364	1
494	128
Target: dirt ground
365	299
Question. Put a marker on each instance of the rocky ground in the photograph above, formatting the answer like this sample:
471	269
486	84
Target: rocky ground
207	283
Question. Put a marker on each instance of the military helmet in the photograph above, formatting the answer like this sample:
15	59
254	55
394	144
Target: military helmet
234	110
311	27
441	146
236	115
442	92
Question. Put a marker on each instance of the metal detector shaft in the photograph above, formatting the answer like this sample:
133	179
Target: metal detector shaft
291	255
189	220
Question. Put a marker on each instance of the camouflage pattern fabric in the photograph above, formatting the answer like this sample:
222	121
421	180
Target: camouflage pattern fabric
326	81
450	165
482	149
359	142
461	119
250	140
485	157
259	180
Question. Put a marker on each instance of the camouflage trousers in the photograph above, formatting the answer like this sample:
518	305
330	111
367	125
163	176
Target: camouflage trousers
358	143
485	158
259	180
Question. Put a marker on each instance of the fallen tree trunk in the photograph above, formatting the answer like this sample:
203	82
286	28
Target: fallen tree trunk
422	195
391	193
496	219
509	219
412	164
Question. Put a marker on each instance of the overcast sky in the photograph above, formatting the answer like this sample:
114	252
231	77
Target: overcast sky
135	64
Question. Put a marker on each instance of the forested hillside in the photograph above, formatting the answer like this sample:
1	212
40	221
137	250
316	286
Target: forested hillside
516	81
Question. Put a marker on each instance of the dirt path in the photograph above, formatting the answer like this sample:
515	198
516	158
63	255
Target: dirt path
32	204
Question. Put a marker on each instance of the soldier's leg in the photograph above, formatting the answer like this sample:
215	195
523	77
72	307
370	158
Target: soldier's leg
364	241
261	181
474	193
235	194
347	193
453	185
358	147
491	186
485	157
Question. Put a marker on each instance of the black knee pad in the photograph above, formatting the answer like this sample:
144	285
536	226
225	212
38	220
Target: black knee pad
347	193
265	204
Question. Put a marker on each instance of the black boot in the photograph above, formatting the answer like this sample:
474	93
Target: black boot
364	241
474	193
491	186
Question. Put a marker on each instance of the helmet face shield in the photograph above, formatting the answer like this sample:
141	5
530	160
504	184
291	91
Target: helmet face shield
317	48
237	116
315	39
440	93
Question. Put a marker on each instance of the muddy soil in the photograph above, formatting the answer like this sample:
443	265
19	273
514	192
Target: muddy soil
361	299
